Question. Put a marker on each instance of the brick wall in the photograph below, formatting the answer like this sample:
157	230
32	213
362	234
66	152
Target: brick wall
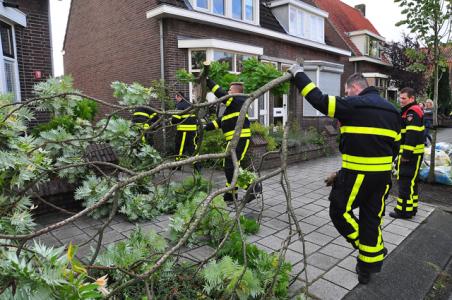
34	50
111	40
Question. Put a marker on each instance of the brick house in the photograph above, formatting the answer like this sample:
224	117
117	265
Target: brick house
364	41
145	40
25	46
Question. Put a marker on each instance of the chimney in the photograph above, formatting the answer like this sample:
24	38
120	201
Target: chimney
361	8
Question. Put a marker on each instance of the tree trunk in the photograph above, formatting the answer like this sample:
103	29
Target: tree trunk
431	174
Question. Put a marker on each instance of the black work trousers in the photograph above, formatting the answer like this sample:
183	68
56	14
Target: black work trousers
368	191
242	148
408	178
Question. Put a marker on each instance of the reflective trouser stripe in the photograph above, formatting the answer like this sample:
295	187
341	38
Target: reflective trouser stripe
245	149
379	246
356	186
398	166
413	180
215	123
307	89
331	106
371	259
182	144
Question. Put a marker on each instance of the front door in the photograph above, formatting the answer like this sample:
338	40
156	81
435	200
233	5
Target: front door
280	110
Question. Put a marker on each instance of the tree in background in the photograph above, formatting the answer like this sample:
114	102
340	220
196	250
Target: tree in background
430	21
409	64
444	93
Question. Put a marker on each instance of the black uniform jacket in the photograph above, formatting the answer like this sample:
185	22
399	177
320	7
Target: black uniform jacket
370	126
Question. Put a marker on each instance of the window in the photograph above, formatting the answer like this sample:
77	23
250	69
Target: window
374	47
6	33
243	10
306	25
198	56
218	7
9	81
224	57
197	59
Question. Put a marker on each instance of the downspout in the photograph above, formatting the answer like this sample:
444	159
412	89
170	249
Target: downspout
162	78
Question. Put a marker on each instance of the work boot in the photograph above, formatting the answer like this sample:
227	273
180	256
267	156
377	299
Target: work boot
398	215
253	193
363	276
228	197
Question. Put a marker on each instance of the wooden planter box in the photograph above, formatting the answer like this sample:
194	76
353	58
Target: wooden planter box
295	155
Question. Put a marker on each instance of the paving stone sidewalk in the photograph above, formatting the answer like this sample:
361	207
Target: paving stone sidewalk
330	259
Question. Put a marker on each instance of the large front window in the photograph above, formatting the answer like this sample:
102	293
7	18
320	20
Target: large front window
306	25
243	10
8	64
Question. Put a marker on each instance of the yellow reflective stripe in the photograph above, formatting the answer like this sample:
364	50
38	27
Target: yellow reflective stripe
140	113
245	149
307	89
188	116
229	101
187	127
177	116
353	236
230	116
371	249
351	199
182	144
398	137
413	182
215	88
231	133
398	165
367	160
408	208
331	106
246	132
153	115
415	149
371	259
415	128
146	126
214	122
366	168
369	130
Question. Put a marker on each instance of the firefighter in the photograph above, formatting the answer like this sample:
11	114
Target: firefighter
410	157
186	130
369	142
227	124
143	118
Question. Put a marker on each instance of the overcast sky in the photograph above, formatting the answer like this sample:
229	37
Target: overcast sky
382	13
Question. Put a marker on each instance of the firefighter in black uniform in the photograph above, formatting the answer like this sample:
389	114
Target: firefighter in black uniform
370	135
227	124
143	118
410	157
186	129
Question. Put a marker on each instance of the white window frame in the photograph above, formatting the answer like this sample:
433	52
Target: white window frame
210	57
228	10
14	61
308	22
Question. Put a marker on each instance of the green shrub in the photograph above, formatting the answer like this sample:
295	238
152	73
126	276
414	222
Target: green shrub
86	109
258	128
213	142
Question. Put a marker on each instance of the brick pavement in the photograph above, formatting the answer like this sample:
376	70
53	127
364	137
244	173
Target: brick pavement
330	259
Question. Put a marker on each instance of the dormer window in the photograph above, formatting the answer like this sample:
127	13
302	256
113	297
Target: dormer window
374	47
242	10
306	25
300	19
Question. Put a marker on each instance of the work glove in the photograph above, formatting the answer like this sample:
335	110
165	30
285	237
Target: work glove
330	179
294	69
